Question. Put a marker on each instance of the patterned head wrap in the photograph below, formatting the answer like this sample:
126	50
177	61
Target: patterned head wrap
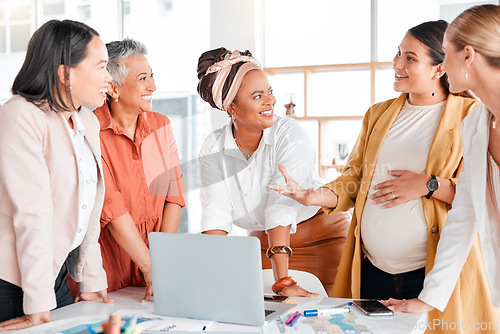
220	73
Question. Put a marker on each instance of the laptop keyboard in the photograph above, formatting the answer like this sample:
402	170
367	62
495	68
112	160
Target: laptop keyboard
268	312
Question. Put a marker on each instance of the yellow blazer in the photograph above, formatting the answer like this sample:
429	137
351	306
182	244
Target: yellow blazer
470	301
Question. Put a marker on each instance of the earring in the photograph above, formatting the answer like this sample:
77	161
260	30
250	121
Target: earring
434	94
466	75
116	99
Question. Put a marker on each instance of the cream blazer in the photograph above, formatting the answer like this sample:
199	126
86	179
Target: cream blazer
38	203
475	210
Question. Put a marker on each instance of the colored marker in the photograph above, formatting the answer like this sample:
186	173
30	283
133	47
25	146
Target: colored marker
133	322
315	313
294	321
293	316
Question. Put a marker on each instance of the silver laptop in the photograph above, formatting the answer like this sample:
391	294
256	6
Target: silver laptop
210	277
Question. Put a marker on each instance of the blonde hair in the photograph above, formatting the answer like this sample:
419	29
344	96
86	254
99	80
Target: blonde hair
479	27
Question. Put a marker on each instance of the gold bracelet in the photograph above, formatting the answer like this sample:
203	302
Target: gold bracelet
278	250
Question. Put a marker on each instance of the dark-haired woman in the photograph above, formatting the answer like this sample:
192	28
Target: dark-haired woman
238	162
51	184
472	62
401	179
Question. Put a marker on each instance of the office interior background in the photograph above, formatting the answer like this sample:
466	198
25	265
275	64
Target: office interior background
331	58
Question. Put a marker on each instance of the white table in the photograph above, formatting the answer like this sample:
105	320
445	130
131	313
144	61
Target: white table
128	300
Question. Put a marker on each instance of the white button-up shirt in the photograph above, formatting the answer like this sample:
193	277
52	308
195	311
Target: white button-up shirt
87	176
234	189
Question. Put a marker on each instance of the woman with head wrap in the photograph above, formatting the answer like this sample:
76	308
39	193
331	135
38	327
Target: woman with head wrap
238	161
144	187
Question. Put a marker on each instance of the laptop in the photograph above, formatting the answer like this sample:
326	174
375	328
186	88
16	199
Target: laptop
210	277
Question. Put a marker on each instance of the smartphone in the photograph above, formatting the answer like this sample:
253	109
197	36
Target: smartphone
372	307
275	298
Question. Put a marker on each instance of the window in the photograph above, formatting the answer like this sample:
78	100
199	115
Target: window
319	32
53	7
334	60
17	23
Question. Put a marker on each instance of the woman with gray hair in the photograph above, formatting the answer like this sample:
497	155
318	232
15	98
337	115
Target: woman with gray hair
144	186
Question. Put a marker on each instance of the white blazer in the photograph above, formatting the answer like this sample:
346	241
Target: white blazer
474	210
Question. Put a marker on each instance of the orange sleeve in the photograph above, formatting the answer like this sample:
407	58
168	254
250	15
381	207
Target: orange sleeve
114	204
176	193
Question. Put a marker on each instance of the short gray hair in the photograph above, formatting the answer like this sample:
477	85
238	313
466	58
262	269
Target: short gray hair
117	52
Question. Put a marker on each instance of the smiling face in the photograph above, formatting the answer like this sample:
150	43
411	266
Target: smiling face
138	86
454	66
89	79
414	72
254	103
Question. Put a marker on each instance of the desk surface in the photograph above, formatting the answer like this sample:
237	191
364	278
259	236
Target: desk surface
127	302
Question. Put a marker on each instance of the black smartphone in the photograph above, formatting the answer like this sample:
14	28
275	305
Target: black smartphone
275	298
372	307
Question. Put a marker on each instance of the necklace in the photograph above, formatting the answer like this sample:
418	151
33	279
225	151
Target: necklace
246	153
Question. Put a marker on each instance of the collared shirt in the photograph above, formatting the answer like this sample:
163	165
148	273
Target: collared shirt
87	176
234	189
141	174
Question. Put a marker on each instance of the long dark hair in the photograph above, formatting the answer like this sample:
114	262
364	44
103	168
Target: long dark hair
431	34
55	43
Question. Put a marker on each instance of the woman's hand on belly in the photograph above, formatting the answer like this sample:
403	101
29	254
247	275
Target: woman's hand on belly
406	186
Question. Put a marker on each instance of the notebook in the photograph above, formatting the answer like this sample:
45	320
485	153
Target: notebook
210	277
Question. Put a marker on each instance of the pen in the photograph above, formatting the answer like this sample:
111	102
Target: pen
294	321
315	313
291	318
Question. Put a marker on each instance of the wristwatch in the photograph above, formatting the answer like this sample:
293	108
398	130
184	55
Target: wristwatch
432	185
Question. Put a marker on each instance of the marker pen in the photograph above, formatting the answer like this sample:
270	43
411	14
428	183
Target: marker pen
294	321
293	316
315	313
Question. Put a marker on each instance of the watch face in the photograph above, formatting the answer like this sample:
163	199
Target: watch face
432	185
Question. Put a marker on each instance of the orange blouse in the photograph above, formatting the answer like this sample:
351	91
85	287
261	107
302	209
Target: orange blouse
140	176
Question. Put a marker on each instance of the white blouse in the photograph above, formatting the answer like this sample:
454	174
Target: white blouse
87	176
402	227
234	189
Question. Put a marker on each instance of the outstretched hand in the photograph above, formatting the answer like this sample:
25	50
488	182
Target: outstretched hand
414	305
292	189
405	187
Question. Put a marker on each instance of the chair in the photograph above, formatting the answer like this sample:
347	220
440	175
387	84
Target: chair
306	280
